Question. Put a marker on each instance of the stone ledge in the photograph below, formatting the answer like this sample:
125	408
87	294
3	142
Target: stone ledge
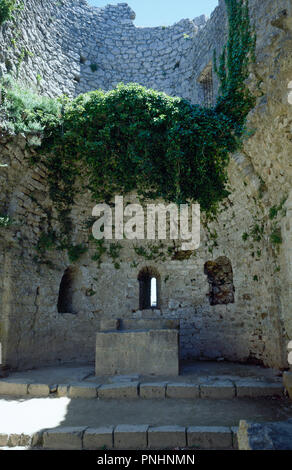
150	390
162	437
209	437
125	437
129	437
153	390
122	390
66	438
247	388
98	438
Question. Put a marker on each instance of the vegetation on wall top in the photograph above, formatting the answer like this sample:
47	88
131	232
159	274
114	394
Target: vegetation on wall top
135	139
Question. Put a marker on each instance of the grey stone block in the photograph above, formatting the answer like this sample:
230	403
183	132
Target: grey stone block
153	390
163	437
250	388
66	438
130	352
130	437
287	382
16	388
3	440
220	389
39	390
119	390
82	390
182	390
209	437
98	438
62	390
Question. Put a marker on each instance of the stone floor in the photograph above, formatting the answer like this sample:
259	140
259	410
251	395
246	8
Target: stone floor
218	415
190	372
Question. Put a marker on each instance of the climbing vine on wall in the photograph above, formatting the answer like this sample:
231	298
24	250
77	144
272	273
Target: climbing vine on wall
135	139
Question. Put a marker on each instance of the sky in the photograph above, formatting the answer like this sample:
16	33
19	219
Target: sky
163	12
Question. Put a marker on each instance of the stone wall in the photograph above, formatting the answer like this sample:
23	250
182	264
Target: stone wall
257	325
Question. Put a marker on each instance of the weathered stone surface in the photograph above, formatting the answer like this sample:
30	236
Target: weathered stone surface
82	390
220	389
13	388
265	436
287	382
38	390
153	390
170	59
62	390
162	437
130	437
3	440
250	388
98	438
182	390
209	437
127	352
66	438
119	390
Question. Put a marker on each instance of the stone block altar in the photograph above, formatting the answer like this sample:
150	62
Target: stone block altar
151	348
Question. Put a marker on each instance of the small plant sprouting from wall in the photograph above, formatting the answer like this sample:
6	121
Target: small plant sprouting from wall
7	7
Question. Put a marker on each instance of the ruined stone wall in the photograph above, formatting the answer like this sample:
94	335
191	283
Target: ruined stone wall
257	325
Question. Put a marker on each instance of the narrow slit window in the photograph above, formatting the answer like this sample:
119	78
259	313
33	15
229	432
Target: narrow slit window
153	292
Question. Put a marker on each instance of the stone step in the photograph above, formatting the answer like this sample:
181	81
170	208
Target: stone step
125	437
211	388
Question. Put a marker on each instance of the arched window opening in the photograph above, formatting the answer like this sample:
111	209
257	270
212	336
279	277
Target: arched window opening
220	279
66	291
149	286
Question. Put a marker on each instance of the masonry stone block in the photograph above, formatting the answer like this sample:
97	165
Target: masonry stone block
119	390
287	382
128	352
182	390
152	390
209	437
163	437
250	388
98	438
130	437
217	390
38	390
16	388
82	390
63	438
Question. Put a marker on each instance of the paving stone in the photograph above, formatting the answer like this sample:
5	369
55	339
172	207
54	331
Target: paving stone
130	437
217	390
209	437
39	390
162	437
16	388
182	390
249	388
98	438
119	390
66	438
153	390
82	390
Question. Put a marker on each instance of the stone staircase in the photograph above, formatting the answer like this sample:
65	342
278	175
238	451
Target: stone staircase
192	411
